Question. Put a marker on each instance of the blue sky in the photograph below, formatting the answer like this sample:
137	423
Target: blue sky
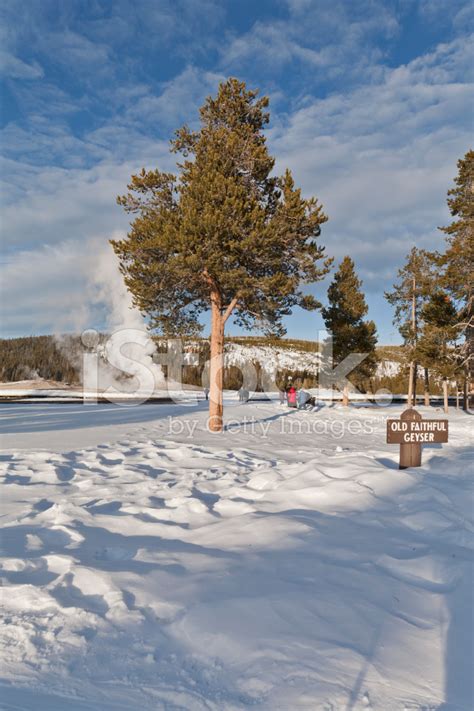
371	106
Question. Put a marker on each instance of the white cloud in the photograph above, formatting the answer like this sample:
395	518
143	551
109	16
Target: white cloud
330	38
46	203
15	68
74	50
178	100
381	159
461	12
50	204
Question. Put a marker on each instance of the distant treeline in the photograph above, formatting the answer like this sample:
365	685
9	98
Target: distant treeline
39	357
59	359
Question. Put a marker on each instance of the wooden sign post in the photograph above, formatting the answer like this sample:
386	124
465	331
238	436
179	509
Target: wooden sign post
410	432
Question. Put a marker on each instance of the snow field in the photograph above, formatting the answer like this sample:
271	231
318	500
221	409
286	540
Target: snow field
154	570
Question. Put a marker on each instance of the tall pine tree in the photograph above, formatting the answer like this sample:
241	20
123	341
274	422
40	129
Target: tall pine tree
458	260
224	235
344	319
435	345
415	286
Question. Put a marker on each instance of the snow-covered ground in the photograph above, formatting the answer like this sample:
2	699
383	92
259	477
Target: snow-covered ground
285	564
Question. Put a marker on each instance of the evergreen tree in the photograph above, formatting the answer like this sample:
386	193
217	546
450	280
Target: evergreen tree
458	260
225	235
344	319
416	284
435	345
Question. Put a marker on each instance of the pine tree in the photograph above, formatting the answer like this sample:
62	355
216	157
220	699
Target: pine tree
458	260
224	235
344	319
439	332
416	284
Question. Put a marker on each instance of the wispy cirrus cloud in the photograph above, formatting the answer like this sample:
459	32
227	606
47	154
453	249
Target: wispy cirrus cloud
461	13
69	203
329	39
382	157
177	101
15	68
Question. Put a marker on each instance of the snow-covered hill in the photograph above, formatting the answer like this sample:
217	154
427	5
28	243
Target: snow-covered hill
67	356
272	358
277	358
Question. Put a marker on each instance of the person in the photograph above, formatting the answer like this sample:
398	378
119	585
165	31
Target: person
291	396
206	393
282	395
303	398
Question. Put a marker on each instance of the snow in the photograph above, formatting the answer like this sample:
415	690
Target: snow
285	564
272	358
387	368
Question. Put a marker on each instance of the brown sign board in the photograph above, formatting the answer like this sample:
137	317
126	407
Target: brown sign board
417	431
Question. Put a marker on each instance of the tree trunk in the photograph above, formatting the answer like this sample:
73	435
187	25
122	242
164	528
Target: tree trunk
345	396
410	385
465	404
413	365
415	376
216	370
445	394
457	395
427	388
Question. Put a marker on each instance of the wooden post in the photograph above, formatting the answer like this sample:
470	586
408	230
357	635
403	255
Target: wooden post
427	388
345	396
445	395
410	453
414	368
410	385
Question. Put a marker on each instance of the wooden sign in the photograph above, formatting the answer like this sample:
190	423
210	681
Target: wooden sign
411	431
400	431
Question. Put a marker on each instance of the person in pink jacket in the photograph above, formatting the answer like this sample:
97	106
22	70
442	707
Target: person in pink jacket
291	396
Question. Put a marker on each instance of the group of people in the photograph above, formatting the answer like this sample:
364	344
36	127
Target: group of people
295	398
290	396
